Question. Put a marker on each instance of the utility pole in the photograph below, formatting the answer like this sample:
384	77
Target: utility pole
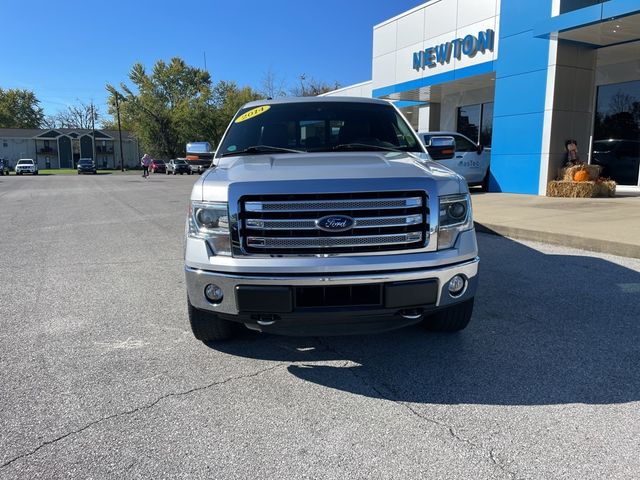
116	94
93	128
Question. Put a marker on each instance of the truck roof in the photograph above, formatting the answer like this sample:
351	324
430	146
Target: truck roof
284	100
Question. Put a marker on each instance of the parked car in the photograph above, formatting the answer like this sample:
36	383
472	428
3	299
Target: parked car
4	167
86	165
178	165
26	165
157	166
342	224
471	160
619	159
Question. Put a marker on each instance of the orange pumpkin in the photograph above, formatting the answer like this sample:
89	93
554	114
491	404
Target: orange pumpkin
581	175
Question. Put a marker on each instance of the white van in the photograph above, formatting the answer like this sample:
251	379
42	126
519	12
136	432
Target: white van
471	161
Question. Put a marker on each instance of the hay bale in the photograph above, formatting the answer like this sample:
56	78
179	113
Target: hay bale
567	173
570	189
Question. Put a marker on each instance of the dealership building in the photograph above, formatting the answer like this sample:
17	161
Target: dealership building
520	77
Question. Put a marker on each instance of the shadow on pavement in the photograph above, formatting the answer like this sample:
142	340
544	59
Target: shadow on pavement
546	329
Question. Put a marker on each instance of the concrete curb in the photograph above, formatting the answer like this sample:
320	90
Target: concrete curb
591	244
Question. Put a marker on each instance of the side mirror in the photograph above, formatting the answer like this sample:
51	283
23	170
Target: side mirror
480	149
441	148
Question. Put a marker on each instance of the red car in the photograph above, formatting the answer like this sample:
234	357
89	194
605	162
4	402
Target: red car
157	166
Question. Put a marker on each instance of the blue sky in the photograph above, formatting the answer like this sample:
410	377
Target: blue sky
68	50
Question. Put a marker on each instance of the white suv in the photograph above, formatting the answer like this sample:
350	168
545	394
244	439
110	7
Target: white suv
26	165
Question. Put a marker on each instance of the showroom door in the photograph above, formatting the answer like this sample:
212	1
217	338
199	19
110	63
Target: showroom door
616	132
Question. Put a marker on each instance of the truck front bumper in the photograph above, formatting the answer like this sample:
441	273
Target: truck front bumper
280	303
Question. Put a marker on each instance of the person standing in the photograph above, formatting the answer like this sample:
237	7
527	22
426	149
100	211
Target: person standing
146	161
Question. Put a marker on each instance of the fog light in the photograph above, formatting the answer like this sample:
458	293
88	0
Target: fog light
213	293
456	285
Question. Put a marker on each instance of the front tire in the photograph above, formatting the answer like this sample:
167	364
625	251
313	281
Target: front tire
208	327
450	319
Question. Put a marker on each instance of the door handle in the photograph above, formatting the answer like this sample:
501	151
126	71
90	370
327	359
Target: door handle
458	156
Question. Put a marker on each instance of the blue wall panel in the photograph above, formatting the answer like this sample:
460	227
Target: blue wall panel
521	84
520	94
519	134
515	173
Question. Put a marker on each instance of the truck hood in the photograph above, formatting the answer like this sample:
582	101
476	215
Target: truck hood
326	169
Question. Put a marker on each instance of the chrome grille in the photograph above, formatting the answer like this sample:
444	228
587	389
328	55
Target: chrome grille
287	224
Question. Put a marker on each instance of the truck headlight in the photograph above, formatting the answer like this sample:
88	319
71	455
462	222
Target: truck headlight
455	217
210	221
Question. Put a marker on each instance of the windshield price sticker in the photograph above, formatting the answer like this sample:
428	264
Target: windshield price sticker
252	113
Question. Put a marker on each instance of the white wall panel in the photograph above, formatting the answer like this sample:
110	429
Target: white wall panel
404	64
440	18
384	70
410	29
474	11
384	39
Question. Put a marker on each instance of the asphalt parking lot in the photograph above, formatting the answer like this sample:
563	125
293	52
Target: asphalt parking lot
102	378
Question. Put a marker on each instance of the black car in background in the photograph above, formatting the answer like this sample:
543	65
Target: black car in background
87	165
4	167
619	159
178	165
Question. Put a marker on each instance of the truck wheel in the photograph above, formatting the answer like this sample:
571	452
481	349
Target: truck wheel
208	327
451	319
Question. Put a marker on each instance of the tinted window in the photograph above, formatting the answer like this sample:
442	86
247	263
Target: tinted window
25	162
318	127
463	145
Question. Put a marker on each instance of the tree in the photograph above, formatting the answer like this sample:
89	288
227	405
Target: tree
163	107
176	104
81	115
19	109
272	86
310	87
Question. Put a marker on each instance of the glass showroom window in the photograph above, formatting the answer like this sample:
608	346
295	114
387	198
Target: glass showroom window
616	132
476	122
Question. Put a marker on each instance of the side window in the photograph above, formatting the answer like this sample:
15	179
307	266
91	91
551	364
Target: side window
463	145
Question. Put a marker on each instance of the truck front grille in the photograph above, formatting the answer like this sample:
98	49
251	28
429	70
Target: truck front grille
288	224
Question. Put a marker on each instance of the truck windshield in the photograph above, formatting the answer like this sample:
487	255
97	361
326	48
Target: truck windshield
318	127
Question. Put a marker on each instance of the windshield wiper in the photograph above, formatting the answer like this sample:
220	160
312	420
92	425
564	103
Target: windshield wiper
262	149
366	146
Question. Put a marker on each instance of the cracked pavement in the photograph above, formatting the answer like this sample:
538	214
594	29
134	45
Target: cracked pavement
101	377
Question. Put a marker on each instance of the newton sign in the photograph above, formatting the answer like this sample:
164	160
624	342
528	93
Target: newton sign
469	46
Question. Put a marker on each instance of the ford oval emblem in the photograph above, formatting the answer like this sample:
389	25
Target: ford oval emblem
335	223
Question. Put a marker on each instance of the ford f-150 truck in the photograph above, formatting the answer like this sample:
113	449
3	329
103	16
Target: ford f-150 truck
326	216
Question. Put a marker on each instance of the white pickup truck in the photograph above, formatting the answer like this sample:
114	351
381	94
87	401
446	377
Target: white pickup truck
327	216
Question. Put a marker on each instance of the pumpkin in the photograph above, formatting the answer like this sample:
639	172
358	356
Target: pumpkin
581	175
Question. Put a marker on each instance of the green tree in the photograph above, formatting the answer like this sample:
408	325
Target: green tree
175	104
162	108
19	109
